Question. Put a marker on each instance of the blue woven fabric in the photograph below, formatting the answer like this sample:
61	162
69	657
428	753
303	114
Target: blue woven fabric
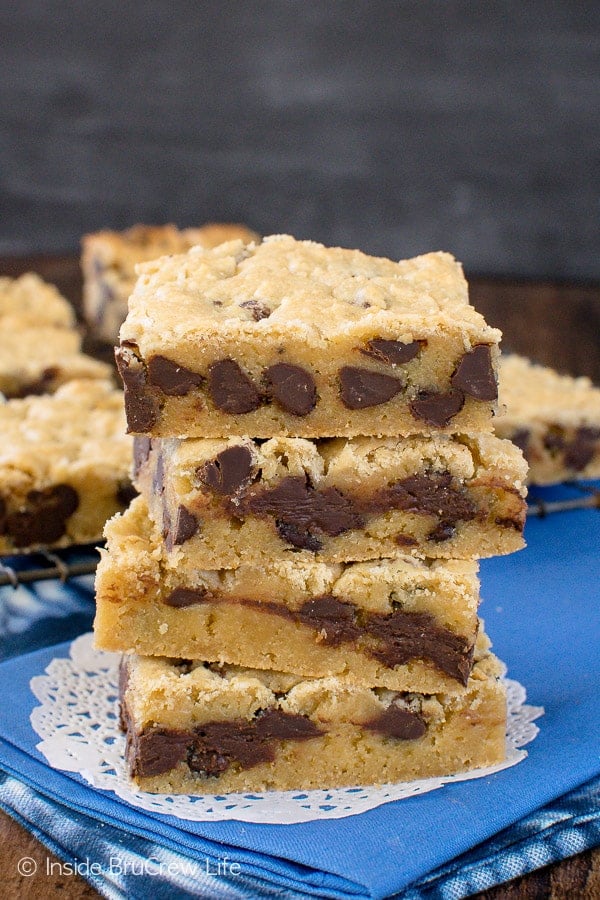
541	609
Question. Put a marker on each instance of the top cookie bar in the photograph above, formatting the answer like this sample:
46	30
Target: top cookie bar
109	259
291	338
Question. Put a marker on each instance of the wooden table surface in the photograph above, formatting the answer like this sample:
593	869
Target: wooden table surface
555	324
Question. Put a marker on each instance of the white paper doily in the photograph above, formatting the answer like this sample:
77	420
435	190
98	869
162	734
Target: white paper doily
78	724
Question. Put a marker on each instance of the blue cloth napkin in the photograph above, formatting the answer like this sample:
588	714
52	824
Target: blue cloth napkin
542	612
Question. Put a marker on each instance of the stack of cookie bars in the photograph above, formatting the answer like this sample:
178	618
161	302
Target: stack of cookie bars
295	590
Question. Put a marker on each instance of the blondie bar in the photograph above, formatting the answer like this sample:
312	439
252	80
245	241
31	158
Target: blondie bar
198	728
64	466
292	338
221	502
38	360
109	258
405	623
554	419
29	300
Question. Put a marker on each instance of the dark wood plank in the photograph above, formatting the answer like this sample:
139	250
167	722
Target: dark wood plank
555	324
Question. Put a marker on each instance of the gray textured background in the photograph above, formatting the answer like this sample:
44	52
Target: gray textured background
397	127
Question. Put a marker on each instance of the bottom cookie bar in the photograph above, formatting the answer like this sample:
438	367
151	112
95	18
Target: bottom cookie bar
196	728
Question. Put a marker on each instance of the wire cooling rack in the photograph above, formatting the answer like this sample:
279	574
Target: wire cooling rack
83	559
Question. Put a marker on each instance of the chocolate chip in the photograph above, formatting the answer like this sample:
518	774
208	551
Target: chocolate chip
297	537
582	449
141	452
437	408
141	407
292	388
474	374
259	310
334	620
398	723
394	353
156	751
43	385
521	438
171	378
555	440
229	471
294	502
182	597
361	388
185	527
405	540
442	532
231	389
433	493
43	518
126	493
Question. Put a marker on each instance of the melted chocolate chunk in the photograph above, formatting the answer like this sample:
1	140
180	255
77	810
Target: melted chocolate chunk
231	389
43	519
141	407
292	388
394	353
259	310
405	540
334	620
185	527
555	440
361	388
297	537
521	439
442	532
171	378
429	492
35	388
294	502
210	749
582	449
126	493
182	597
437	408
228	472
141	452
397	722
474	374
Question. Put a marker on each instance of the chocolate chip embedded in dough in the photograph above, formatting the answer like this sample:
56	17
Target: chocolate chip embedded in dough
334	620
43	518
555	440
186	525
156	751
437	408
521	439
141	407
126	493
183	597
141	452
172	378
259	310
394	353
362	388
298	537
292	388
229	471
399	723
442	532
582	449
405	540
231	389
474	374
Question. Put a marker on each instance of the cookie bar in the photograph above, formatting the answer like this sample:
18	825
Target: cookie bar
38	360
109	258
64	466
219	503
554	419
292	338
31	301
197	728
405	623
